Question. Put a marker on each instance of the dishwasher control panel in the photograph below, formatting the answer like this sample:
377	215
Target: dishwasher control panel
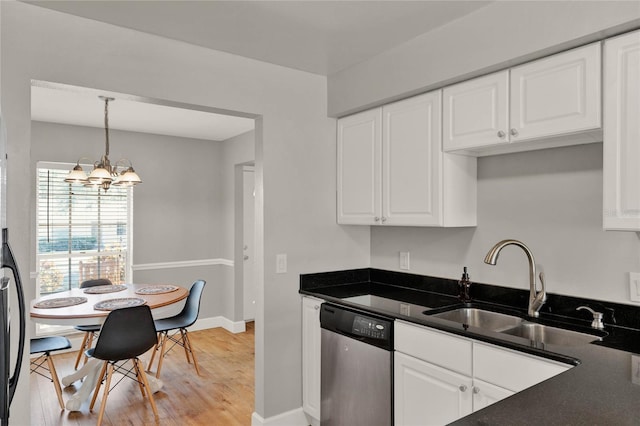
369	327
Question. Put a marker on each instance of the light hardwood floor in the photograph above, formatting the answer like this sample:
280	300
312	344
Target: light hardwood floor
222	395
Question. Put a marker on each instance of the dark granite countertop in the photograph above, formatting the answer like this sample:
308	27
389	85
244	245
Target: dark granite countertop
602	389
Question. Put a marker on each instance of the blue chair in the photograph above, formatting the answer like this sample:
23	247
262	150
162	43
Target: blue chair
90	331
180	322
44	346
126	334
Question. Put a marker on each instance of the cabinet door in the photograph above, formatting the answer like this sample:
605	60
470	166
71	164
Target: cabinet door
358	180
556	95
412	161
476	112
311	356
428	395
510	369
621	142
485	394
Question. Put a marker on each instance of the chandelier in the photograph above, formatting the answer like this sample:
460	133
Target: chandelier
104	174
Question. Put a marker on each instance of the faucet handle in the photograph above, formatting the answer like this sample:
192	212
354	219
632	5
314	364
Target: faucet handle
597	317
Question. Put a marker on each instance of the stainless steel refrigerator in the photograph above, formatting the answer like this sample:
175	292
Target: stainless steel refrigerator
10	290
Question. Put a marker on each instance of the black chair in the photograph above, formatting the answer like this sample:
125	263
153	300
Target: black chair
126	334
90	331
44	346
180	322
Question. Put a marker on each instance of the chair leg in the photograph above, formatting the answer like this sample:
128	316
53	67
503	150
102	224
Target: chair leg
161	356
136	368
185	344
107	385
155	349
193	353
98	384
54	378
81	351
143	376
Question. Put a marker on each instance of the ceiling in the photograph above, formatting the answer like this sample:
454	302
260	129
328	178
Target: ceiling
321	37
55	103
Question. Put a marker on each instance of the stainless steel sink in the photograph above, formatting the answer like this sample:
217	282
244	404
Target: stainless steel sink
481	318
551	335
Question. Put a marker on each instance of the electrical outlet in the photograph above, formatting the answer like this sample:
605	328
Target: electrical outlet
404	260
405	309
281	263
635	369
634	286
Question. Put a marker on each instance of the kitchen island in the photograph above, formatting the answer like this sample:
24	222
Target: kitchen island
602	388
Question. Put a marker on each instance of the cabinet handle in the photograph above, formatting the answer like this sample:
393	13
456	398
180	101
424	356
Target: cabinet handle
513	132
316	307
476	389
384	219
377	219
501	134
463	388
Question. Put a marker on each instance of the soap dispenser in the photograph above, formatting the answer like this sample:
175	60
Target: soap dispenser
463	286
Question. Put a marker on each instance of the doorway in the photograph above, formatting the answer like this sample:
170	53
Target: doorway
248	233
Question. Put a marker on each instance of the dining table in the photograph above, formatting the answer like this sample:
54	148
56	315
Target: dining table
92	305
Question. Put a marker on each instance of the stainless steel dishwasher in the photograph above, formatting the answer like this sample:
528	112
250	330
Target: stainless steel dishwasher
356	368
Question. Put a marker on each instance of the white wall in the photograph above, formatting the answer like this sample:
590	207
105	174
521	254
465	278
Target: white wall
493	37
549	199
295	147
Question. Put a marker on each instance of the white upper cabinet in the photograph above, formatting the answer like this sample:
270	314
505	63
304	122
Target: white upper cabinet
412	161
621	142
553	101
556	95
359	167
392	171
476	112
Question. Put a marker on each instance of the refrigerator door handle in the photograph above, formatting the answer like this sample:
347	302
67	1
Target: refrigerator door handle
8	261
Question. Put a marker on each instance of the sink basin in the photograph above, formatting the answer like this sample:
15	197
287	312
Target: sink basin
481	318
551	335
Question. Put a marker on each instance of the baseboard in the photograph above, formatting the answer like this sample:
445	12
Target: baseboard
219	321
290	418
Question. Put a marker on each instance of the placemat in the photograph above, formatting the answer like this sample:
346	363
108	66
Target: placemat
59	302
156	289
123	302
101	289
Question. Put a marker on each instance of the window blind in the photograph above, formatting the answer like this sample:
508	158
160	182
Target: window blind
82	232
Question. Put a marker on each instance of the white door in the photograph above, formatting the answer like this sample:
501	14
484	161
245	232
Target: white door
476	112
428	395
311	356
556	95
248	263
412	161
621	142
358	180
485	394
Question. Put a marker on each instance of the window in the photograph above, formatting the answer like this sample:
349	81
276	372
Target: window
82	232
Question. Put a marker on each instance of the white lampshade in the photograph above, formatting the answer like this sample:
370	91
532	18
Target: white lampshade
99	175
128	178
77	175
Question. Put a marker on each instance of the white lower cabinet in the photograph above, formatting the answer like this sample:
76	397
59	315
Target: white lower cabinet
427	394
440	377
485	394
311	358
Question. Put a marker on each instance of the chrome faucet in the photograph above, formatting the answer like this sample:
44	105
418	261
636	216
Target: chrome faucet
536	298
